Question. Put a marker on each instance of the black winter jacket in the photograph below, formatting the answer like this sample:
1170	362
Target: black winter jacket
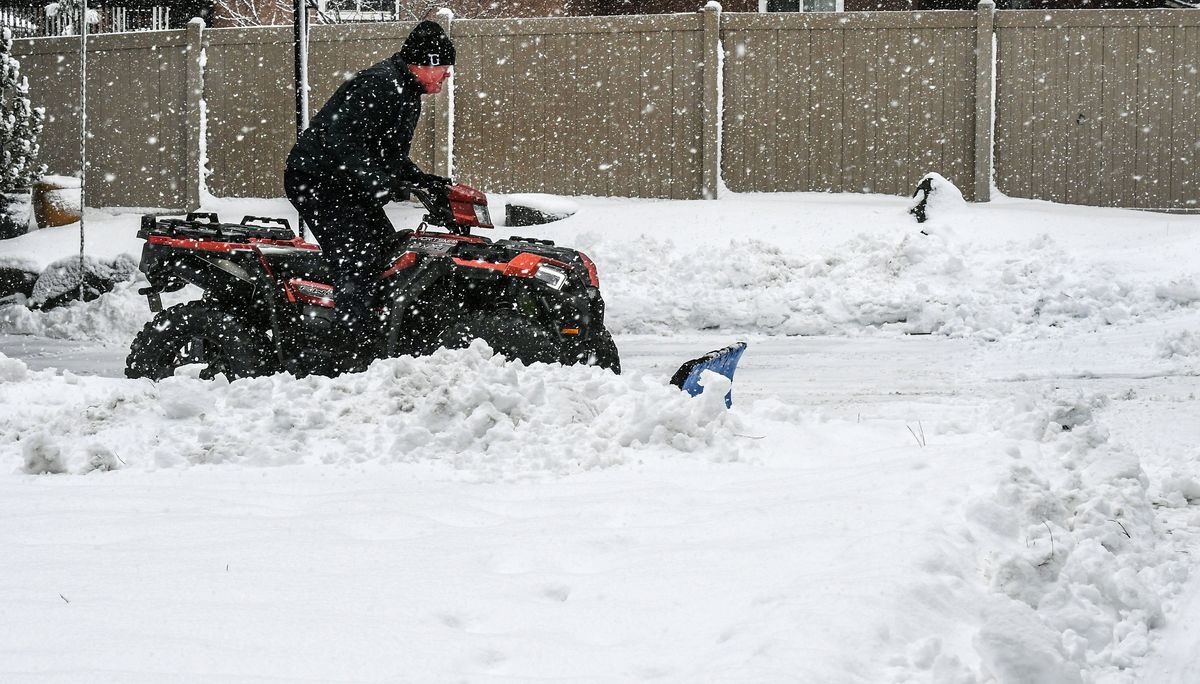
360	139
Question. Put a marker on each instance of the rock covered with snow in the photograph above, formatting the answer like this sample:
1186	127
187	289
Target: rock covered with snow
62	280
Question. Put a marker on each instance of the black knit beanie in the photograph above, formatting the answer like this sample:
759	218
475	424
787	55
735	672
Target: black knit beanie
428	45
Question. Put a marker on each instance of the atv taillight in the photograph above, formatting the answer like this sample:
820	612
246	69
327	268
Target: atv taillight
469	206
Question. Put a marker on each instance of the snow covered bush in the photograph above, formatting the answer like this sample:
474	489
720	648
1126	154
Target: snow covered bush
935	194
20	127
60	282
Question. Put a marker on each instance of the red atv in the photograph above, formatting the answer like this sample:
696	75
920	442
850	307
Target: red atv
268	301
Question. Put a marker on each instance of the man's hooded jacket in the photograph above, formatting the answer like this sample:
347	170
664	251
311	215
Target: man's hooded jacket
360	139
359	142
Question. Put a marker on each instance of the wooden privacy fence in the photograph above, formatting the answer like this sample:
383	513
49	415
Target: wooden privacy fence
143	115
1099	108
1092	107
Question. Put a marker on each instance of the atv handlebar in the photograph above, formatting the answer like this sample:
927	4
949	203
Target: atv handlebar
436	201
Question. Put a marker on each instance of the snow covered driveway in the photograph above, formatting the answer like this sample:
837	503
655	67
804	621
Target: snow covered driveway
1006	499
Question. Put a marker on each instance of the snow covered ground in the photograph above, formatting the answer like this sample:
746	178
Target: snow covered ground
970	455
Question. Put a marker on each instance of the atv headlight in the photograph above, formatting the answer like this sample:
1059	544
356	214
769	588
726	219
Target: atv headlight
482	216
551	275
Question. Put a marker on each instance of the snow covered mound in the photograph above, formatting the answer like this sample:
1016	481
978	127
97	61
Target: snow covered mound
59	282
904	282
1067	567
114	318
467	409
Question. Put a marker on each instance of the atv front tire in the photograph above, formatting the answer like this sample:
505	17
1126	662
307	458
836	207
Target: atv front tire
507	334
602	351
197	333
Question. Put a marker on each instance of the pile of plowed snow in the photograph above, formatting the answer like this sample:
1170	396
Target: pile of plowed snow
469	409
1061	568
907	282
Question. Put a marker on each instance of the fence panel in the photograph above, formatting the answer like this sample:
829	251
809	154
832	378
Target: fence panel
853	102
597	106
251	109
137	107
1099	107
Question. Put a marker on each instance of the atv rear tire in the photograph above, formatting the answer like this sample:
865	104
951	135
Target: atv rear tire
507	334
198	333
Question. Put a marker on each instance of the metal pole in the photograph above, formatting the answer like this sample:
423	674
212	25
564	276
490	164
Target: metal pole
300	25
83	33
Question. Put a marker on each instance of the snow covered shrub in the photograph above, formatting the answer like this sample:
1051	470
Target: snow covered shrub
60	282
934	195
20	127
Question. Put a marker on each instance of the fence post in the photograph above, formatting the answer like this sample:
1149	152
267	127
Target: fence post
985	54
193	127
710	136
443	110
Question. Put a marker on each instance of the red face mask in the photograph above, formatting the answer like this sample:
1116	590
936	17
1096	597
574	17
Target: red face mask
430	77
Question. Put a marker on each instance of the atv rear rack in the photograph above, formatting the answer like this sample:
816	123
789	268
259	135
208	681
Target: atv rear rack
207	226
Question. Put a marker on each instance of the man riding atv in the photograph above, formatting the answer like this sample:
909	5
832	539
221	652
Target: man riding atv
351	161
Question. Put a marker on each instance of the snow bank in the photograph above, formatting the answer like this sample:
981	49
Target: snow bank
822	264
907	282
468	409
113	318
1071	567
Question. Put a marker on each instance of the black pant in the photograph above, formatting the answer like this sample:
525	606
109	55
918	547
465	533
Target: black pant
353	233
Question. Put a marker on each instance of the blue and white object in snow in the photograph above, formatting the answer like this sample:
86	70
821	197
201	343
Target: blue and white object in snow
723	361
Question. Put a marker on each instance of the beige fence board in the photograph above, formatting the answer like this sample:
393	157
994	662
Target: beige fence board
1119	116
1185	165
1060	19
873	116
589	122
137	143
1154	121
825	159
1107	110
687	119
860	106
1086	88
251	119
956	144
1012	139
136	115
54	84
795	139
